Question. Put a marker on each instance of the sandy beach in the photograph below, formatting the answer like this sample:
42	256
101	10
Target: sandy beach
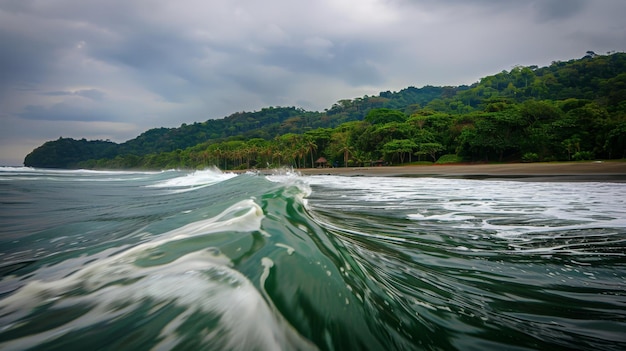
612	171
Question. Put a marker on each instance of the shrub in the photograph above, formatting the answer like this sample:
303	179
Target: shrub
582	155
530	157
449	158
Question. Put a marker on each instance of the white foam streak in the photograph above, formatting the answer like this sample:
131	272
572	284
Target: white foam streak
444	218
16	169
195	180
35	171
244	216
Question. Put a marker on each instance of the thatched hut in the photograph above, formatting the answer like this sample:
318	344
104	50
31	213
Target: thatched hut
321	163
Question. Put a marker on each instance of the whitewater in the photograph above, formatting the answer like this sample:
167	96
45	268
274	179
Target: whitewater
207	260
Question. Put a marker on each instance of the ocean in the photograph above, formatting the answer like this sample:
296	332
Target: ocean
205	260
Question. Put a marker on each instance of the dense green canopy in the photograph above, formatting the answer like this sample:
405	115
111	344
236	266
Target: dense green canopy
570	110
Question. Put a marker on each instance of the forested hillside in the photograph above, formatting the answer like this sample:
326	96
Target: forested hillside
568	110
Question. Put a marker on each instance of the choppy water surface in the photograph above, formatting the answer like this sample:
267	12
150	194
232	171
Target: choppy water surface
208	260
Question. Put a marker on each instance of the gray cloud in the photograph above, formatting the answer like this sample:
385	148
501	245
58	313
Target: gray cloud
93	94
64	112
541	10
555	9
21	60
90	65
353	61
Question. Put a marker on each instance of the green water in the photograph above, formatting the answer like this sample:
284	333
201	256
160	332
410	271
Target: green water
205	260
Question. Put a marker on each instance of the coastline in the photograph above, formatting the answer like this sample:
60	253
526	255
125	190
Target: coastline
593	171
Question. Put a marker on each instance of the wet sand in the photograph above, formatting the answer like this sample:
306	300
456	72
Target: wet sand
558	171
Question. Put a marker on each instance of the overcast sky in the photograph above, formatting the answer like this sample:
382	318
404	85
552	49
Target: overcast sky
111	69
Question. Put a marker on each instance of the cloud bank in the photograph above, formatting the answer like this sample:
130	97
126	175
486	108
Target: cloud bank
112	69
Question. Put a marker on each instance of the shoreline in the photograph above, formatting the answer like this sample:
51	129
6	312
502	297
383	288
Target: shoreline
598	171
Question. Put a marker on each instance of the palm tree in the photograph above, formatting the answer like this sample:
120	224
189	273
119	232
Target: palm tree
217	153
267	154
346	150
301	151
360	157
279	154
311	146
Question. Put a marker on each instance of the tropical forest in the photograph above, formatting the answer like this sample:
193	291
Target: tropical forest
569	110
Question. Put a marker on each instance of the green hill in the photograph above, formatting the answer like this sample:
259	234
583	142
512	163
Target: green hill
573	109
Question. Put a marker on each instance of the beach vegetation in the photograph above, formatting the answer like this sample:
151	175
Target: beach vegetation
573	110
449	158
583	156
530	157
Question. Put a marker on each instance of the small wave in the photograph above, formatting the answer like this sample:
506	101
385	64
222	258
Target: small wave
16	169
186	287
76	175
195	179
291	178
31	170
281	174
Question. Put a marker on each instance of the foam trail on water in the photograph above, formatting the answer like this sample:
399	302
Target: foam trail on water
195	179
